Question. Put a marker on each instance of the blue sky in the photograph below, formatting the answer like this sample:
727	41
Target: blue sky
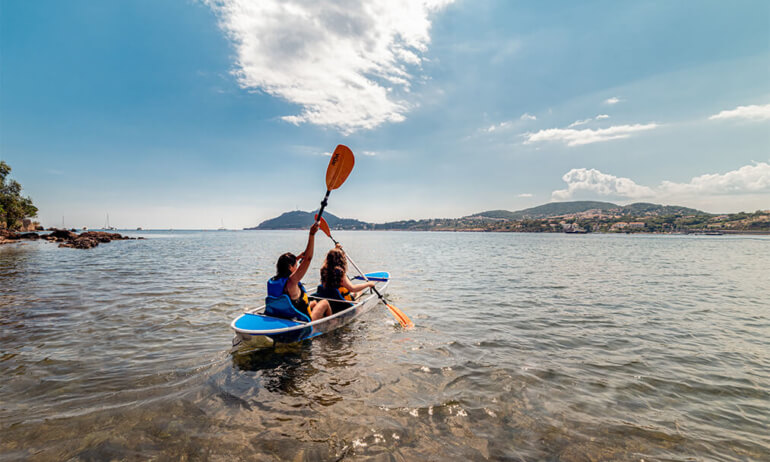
187	114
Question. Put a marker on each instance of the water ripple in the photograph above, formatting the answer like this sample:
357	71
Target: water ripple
527	347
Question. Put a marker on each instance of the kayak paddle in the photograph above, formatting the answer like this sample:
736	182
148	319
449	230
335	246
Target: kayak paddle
398	314
340	166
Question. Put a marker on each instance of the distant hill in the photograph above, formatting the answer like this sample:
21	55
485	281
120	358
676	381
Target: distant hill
302	220
552	209
299	219
496	215
645	208
555	209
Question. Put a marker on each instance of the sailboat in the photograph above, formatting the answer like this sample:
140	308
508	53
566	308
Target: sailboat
222	228
107	224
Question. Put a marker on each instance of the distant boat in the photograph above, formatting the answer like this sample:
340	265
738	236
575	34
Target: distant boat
222	228
107	224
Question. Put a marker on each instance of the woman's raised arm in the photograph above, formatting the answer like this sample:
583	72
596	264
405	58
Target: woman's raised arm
307	255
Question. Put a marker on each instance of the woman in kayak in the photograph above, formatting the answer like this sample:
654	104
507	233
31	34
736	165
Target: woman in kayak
334	277
290	270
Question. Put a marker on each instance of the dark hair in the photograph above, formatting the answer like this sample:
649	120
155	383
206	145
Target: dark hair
333	269
283	267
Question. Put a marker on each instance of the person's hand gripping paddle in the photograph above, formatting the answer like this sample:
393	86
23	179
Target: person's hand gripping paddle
340	166
398	314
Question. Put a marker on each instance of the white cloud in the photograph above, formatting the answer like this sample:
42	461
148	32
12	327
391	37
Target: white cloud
753	112
508	123
500	126
746	180
613	100
749	179
369	153
572	137
582	180
579	122
344	64
524	195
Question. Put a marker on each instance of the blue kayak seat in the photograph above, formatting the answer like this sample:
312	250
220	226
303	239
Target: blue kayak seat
282	307
333	295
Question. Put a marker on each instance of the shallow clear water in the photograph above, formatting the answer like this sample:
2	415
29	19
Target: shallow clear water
527	346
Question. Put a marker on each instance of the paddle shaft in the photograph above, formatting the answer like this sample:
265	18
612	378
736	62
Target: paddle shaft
323	206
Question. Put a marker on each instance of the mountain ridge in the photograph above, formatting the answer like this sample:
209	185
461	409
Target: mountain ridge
298	219
556	209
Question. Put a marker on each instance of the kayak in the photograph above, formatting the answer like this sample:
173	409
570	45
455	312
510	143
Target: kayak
254	327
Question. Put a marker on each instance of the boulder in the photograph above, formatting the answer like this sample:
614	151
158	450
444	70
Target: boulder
28	225
61	234
8	235
85	242
29	236
102	236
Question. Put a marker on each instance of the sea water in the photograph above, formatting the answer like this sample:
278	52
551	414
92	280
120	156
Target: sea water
526	347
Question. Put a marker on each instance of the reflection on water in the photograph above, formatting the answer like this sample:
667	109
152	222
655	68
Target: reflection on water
282	369
527	347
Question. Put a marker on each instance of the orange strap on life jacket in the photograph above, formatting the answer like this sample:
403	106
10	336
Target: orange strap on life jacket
345	294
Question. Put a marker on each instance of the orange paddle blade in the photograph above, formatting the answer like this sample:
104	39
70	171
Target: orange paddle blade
340	166
324	226
402	318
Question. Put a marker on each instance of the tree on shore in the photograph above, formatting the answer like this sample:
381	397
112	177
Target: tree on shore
13	207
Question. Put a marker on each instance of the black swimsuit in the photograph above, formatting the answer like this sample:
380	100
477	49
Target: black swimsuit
301	303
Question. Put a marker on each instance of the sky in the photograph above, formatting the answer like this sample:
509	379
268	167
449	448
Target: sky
197	114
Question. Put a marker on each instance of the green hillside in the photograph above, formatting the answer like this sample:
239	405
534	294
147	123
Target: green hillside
299	219
646	208
552	209
555	209
497	214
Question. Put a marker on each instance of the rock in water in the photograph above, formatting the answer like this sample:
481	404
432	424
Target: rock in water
60	235
65	238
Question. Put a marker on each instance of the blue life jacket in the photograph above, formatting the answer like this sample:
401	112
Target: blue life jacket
278	303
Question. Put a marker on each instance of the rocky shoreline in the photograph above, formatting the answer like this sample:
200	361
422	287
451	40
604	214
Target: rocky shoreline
65	238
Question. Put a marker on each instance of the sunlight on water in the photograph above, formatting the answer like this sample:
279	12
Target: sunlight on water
526	347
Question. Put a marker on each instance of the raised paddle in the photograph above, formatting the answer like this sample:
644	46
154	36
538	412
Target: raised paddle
398	314
340	166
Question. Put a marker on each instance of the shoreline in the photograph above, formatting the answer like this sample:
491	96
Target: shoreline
63	237
476	230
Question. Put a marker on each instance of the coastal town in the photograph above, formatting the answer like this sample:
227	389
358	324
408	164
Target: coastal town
597	221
